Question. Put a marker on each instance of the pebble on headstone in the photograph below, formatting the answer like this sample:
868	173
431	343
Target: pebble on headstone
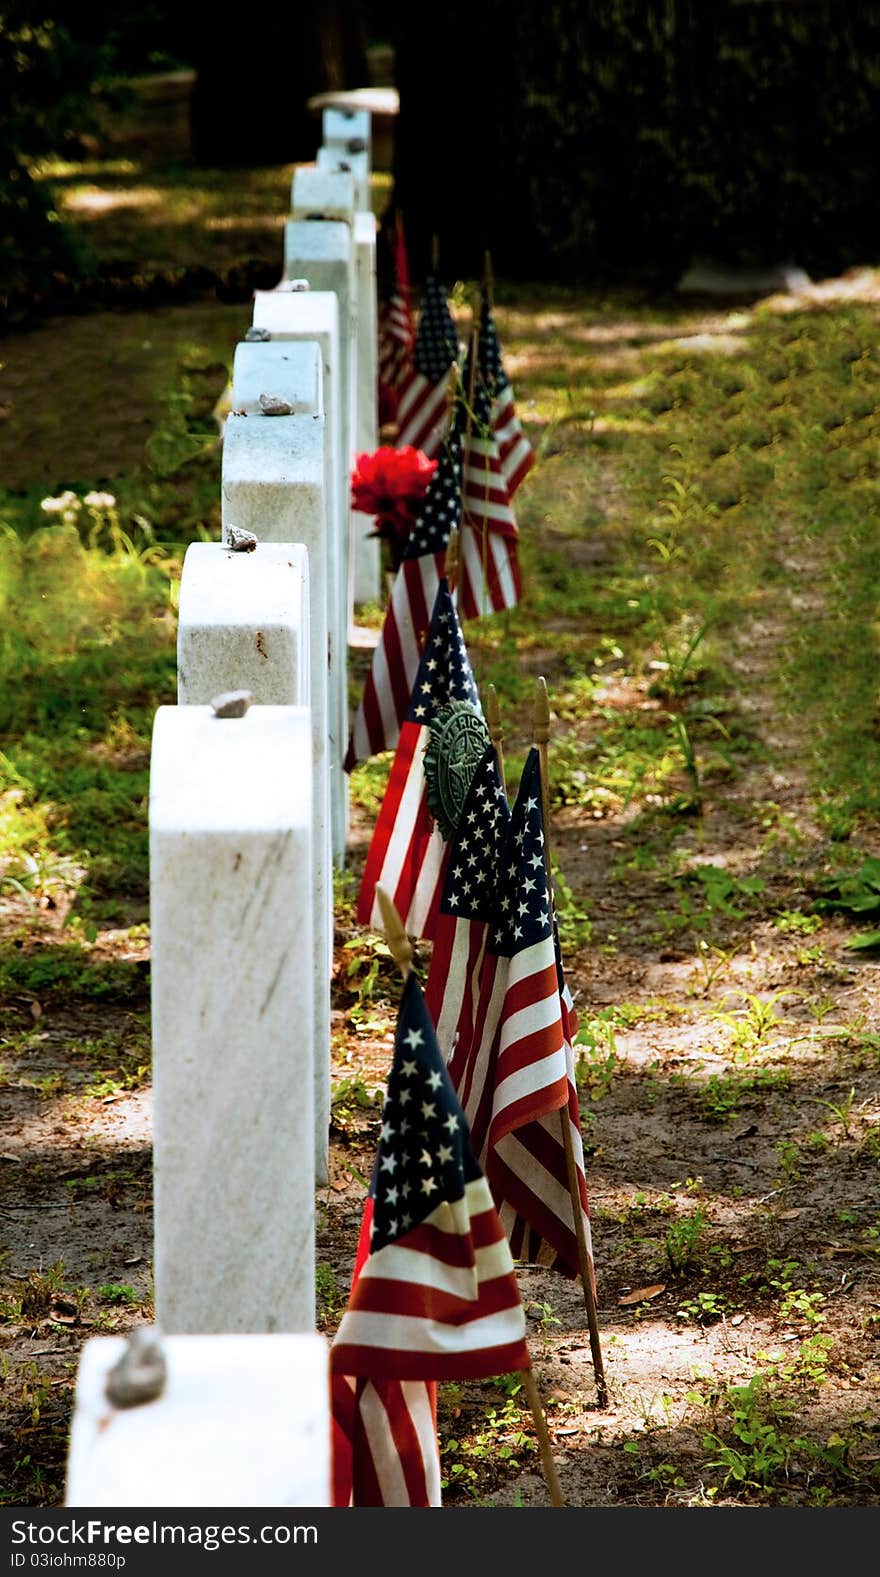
244	619
326	194
239	1421
232	940
356	164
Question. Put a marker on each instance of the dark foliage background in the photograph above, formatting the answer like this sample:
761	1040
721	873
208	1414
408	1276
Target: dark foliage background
585	138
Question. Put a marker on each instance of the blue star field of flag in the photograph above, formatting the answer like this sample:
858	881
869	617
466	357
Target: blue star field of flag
523	914
490	351
424	1154
470	892
441	506
444	672
436	346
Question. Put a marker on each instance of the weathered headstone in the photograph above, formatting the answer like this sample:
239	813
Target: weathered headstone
234	1067
243	623
323	252
239	1421
358	164
292	372
290	315
322	194
348	130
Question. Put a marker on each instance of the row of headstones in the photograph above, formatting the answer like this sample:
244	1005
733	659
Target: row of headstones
248	817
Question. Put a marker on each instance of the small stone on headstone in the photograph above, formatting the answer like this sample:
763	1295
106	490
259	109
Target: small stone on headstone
298	284
240	541
259	335
274	405
232	703
356	145
139	1374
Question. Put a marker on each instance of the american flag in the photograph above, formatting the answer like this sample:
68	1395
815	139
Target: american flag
423	394
516	453
435	1296
396	332
467	907
387	692
489	577
519	1076
407	854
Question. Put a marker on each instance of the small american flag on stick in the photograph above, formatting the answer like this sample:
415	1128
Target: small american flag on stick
434	1295
515	452
407	854
422	404
490	578
519	1075
396	331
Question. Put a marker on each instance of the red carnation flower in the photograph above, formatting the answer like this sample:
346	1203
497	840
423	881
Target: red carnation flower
390	484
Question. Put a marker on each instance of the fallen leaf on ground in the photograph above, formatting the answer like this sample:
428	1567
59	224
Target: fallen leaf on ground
642	1294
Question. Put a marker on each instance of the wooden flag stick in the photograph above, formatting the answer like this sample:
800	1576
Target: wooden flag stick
542	736
451	564
530	1386
496	732
488	278
399	945
435	253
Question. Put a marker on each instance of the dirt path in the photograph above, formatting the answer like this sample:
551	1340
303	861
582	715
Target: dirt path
730	1078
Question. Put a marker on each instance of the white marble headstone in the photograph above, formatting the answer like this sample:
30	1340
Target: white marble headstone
232	942
240	1421
358	164
322	194
313	315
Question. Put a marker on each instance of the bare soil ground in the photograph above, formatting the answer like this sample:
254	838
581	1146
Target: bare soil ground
731	1120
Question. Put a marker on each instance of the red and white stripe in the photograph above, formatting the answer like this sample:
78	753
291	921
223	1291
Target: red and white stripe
439	1303
384	1431
396	339
452	988
423	412
517	1079
516	453
395	663
407	855
489	576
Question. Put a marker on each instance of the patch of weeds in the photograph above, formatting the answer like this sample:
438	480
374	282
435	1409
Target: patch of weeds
758	1453
68	967
329	1297
751	1024
722	1094
500	1440
117	1293
704	1309
718	890
368	781
597	1060
575	928
369	974
350	1101
681	1244
794	921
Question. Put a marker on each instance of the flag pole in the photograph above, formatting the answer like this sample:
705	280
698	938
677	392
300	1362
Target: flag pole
435	253
401	950
542	736
496	732
488	278
530	1386
451	560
